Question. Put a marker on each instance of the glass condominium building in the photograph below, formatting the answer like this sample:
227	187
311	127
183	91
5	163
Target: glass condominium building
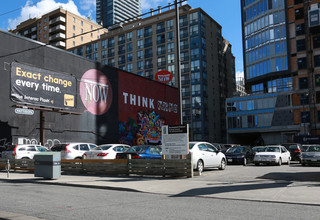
265	33
110	12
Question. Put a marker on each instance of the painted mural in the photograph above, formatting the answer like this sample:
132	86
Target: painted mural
146	129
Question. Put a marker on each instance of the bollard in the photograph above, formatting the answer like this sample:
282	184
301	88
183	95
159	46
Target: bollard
8	168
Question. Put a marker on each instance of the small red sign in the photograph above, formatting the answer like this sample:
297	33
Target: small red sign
163	76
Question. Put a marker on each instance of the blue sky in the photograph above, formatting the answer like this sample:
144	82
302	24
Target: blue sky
226	13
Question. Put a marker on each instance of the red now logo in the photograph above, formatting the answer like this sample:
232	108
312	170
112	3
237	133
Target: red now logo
163	76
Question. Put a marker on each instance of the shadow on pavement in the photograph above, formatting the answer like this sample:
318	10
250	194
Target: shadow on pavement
302	176
232	188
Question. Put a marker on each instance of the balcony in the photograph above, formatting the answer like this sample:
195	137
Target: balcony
58	28
60	44
57	20
59	36
33	29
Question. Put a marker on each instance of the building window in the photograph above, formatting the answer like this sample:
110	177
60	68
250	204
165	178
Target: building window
121	39
81	23
111	42
303	83
103	54
45	28
74	43
74	19
258	88
129	67
80	51
148	64
317	60
299	13
95	56
317	80
148	31
302	63
296	2
169	25
161	39
161	61
170	36
122	49
316	42
161	50
305	117
140	54
170	47
74	27
160	27
129	57
301	45
121	60
170	58
148	53
129	47
300	29
148	42
139	44
140	65
104	44
88	49
140	33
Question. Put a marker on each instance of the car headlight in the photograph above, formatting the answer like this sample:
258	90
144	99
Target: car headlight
241	156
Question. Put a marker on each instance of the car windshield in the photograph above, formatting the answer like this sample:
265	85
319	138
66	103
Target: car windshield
292	147
102	147
137	149
258	149
235	150
58	147
272	149
313	149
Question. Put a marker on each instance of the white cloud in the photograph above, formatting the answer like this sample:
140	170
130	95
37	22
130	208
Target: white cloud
41	8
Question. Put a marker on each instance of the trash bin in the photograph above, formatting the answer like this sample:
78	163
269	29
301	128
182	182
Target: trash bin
47	165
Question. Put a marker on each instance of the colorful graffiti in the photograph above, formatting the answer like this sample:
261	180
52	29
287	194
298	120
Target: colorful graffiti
146	130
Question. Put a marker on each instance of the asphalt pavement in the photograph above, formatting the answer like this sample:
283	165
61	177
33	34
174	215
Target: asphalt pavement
292	184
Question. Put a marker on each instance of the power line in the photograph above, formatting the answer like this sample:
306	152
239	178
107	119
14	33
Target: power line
123	21
17	9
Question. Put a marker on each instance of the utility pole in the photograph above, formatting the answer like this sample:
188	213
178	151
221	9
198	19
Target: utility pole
178	59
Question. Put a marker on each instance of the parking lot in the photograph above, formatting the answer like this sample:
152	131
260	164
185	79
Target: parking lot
285	184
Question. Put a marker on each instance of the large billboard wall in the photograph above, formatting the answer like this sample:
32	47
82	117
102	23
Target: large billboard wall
105	105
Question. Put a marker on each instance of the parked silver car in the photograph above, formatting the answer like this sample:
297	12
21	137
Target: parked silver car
311	155
72	150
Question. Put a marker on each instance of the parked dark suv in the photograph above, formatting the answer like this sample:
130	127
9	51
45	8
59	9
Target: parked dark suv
295	150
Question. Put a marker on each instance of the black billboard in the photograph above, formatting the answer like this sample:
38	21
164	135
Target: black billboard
40	87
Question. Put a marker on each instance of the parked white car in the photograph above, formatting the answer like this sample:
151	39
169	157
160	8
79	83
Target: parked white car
72	150
22	151
106	151
205	155
273	154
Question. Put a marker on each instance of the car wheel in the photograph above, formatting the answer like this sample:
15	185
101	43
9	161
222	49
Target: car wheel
244	161
222	164
303	164
200	166
279	162
257	164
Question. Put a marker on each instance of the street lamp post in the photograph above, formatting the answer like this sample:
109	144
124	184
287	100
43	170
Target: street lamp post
178	59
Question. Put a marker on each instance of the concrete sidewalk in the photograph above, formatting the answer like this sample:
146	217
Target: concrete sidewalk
280	191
